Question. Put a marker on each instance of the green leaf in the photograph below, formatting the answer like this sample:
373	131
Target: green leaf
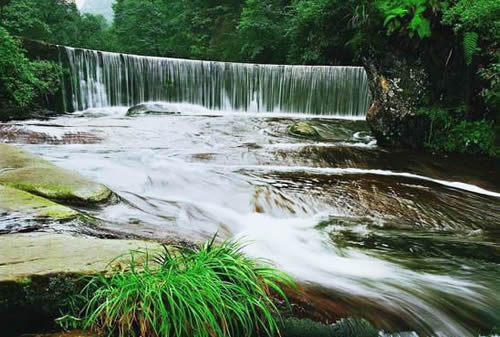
470	45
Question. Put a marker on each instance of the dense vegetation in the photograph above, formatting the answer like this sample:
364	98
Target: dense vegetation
456	41
24	84
213	290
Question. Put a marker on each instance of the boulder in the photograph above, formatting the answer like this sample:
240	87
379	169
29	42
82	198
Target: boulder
14	200
23	256
29	173
152	108
398	88
304	130
39	272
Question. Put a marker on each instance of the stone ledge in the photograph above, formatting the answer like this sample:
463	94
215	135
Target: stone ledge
39	272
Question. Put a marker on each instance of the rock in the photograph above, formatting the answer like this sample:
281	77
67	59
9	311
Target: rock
304	130
15	134
39	272
14	200
23	256
397	92
63	334
152	108
29	173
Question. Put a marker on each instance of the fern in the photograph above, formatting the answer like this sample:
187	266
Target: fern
470	46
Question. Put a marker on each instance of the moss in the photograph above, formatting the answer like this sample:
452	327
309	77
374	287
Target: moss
19	201
304	130
13	158
55	184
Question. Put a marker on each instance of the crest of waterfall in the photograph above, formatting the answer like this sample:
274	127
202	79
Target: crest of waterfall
101	79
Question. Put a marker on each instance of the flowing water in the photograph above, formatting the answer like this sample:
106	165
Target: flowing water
409	241
101	79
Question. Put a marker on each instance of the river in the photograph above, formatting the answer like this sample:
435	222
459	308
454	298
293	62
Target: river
410	241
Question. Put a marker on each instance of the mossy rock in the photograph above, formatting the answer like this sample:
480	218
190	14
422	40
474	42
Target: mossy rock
14	200
304	130
23	171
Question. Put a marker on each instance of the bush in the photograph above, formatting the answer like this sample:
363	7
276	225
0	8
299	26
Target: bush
448	134
208	291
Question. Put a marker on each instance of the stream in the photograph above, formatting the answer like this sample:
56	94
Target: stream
409	241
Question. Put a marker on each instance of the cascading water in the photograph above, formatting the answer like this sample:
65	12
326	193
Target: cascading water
101	79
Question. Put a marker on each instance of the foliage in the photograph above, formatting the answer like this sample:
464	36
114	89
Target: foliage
262	31
481	16
479	23
55	21
213	290
328	31
193	28
22	82
470	46
411	17
451	134
491	91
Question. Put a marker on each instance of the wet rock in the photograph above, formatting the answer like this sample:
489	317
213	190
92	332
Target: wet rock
344	328
398	87
151	108
29	173
39	272
304	130
39	254
14	200
15	134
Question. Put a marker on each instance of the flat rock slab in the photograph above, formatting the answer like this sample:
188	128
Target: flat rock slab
14	200
23	171
37	254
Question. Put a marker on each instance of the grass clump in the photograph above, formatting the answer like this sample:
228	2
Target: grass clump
209	291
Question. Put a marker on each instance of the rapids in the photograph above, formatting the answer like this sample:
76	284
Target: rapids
410	241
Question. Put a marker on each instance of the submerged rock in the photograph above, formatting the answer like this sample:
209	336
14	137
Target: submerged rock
304	130
151	108
29	173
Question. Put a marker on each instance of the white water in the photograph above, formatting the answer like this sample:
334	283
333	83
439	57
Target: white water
101	79
192	175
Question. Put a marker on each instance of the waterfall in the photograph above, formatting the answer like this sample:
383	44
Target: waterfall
101	79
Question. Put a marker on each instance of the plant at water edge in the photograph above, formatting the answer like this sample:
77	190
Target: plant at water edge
450	134
212	290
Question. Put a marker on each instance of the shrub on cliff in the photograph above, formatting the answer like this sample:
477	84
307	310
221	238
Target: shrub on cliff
213	290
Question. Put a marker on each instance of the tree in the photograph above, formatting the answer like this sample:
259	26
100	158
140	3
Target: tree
55	21
23	82
262	31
